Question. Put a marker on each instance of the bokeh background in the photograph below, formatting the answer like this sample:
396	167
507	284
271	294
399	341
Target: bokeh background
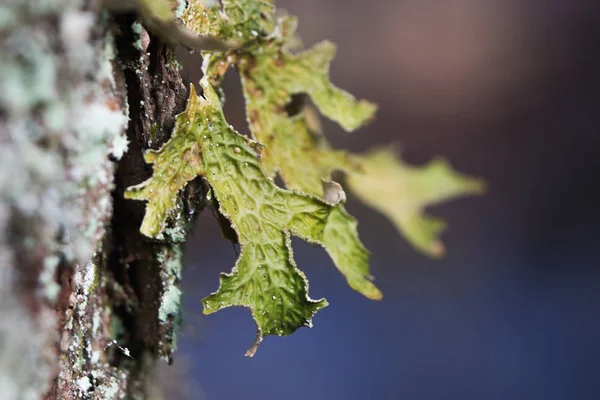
508	90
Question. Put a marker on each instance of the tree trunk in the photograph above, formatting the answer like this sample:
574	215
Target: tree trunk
87	304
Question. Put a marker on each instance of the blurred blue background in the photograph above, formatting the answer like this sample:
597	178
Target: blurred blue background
507	90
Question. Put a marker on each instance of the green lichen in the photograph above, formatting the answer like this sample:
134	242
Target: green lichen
170	303
265	279
402	192
273	78
288	142
160	17
241	20
177	227
170	260
270	79
137	29
176	234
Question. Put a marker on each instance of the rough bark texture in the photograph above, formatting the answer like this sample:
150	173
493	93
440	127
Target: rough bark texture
87	304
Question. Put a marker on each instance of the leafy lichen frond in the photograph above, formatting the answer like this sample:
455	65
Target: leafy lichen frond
265	278
241	20
160	16
276	84
272	78
401	192
300	154
177	163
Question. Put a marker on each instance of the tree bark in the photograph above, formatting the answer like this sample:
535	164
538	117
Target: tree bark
87	304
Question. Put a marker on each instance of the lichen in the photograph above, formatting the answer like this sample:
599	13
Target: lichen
37	179
170	259
170	303
137	30
50	287
60	122
180	6
84	347
84	384
265	279
110	391
275	82
289	143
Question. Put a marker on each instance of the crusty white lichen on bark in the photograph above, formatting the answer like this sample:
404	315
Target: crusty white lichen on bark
82	311
59	123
